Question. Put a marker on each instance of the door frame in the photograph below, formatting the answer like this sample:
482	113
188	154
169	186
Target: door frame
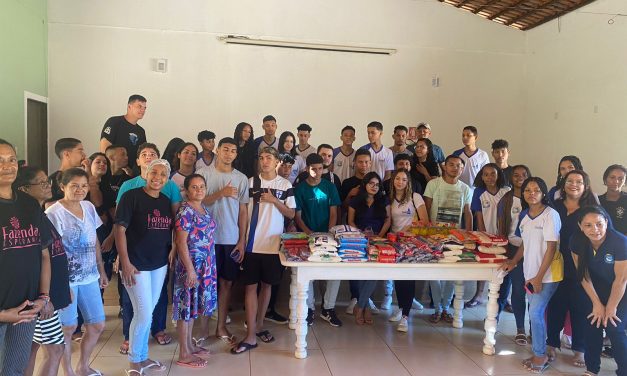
38	98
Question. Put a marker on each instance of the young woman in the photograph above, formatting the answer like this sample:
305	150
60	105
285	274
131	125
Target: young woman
48	331
195	284
143	230
77	221
614	200
600	255
171	148
184	165
567	163
539	228
369	211
570	295
490	187
508	215
24	266
406	208
426	168
246	150
287	143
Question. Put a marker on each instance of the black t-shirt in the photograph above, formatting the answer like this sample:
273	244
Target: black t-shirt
55	187
25	232
617	211
601	264
507	173
347	185
59	279
330	176
120	132
246	159
116	181
148	221
434	170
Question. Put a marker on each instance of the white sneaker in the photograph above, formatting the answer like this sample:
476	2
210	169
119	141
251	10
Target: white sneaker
567	341
214	316
351	306
417	305
396	316
373	307
403	326
387	302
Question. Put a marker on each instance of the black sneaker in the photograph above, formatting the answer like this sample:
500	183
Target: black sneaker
310	316
329	316
276	318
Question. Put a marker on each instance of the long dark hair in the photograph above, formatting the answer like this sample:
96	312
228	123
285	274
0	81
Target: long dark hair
176	163
587	198
500	177
170	150
430	155
282	139
379	199
543	189
585	258
237	135
572	159
107	176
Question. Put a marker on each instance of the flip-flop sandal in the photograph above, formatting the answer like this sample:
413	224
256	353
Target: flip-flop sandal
202	351
199	342
538	369
265	336
472	303
229	340
134	372
607	352
588	373
521	339
124	348
193	364
245	345
579	363
163	339
95	373
156	365
527	362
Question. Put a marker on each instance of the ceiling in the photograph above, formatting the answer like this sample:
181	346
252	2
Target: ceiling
520	14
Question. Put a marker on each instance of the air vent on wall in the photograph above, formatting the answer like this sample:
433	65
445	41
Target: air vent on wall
236	39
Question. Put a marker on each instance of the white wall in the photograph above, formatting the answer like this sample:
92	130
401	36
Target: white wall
100	52
573	68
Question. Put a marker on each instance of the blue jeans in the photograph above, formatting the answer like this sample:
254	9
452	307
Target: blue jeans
144	295
514	280
159	315
88	299
366	288
618	338
537	307
442	293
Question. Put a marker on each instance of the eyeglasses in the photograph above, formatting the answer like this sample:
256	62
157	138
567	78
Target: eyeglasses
43	184
374	185
574	182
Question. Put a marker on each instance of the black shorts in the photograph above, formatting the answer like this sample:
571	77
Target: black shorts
260	267
226	267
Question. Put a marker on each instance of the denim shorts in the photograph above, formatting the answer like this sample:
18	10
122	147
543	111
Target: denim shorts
87	298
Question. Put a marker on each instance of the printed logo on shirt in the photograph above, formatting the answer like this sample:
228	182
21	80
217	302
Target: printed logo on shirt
516	210
485	204
157	222
107	130
56	248
339	163
16	237
133	138
620	212
608	258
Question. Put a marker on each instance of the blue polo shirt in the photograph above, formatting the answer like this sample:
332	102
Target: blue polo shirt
601	262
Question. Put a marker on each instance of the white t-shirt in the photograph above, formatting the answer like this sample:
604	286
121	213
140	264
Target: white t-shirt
200	163
299	166
179	180
403	214
535	233
343	165
382	160
473	165
448	200
514	239
79	240
304	153
485	202
225	210
266	223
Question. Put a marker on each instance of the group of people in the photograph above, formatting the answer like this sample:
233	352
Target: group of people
212	216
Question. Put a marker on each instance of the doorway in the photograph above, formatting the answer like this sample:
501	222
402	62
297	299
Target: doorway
36	113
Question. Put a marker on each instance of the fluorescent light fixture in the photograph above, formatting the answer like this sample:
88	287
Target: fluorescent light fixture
237	39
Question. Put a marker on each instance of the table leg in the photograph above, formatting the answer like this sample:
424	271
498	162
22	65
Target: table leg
293	302
301	323
458	304
491	312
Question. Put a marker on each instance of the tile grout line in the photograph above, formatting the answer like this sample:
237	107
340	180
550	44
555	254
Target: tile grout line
392	351
322	351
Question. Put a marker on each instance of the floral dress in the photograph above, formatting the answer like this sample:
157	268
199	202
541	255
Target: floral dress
188	303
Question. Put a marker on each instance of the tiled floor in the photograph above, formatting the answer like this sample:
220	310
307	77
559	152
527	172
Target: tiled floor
377	350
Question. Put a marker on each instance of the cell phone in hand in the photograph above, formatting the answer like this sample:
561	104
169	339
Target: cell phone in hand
235	255
529	288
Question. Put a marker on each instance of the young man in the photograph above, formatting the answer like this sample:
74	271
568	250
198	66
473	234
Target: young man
146	153
227	200
424	131
120	172
382	157
326	152
286	162
207	141
123	130
344	156
268	139
403	161
448	201
317	201
500	153
304	149
400	139
350	186
473	157
71	154
271	200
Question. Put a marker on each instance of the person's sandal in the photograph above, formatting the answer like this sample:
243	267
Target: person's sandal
368	317
447	317
537	368
124	348
550	354
265	336
588	373
359	315
435	318
162	338
521	339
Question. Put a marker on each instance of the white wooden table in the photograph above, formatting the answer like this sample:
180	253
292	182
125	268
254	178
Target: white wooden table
303	272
